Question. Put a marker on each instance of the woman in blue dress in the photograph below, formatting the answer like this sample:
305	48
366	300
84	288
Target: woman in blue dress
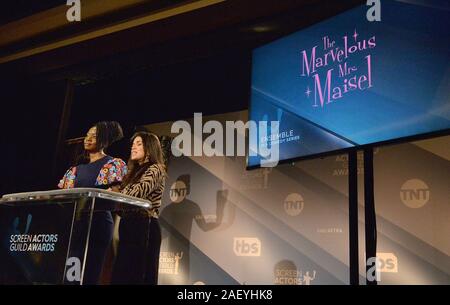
97	170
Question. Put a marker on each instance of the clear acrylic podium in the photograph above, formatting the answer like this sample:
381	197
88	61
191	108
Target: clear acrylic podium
44	236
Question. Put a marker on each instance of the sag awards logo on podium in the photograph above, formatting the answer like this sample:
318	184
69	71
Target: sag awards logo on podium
24	242
169	262
178	191
415	193
247	246
293	204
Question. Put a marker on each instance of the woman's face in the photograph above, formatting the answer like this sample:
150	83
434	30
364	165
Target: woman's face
137	150
90	140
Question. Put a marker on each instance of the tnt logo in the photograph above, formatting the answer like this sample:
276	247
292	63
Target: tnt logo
178	191
387	262
293	204
414	193
247	246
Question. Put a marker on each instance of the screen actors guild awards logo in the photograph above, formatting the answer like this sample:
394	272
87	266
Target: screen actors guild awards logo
292	276
23	241
169	262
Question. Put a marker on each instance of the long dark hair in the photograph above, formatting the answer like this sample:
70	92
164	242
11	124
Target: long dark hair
107	132
153	155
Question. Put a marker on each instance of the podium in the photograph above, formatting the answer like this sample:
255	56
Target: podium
44	236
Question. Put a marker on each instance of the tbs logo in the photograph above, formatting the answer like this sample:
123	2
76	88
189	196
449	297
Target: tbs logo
388	262
383	262
247	246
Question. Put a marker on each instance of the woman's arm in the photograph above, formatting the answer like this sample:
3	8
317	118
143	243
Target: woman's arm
68	180
112	173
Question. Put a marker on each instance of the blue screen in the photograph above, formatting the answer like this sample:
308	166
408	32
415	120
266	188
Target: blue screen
347	82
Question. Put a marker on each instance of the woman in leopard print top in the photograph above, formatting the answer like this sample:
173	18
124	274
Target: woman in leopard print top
139	231
150	186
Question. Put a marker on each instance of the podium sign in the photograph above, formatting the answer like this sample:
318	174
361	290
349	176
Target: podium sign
44	236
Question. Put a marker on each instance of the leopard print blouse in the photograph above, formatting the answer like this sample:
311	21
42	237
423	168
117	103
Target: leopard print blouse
150	187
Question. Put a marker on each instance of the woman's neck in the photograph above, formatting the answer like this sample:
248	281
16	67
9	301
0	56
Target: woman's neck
94	156
140	162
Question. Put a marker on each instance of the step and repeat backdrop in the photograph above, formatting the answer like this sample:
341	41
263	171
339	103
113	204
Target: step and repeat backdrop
288	225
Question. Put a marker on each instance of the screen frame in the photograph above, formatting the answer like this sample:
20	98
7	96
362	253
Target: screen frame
400	140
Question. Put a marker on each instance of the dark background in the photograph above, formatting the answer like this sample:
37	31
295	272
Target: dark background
30	125
196	62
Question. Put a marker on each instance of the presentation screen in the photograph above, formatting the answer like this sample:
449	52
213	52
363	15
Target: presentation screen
347	82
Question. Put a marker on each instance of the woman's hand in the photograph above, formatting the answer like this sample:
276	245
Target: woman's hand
114	189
